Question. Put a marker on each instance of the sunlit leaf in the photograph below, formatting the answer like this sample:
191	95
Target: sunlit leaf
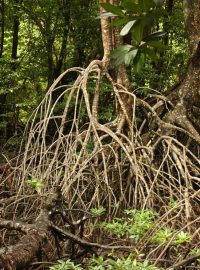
120	60
106	14
129	57
155	35
121	51
125	30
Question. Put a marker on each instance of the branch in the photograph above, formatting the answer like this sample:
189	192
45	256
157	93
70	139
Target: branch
13	225
185	262
84	243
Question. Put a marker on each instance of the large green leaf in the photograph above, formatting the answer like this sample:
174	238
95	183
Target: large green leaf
119	60
146	5
138	31
158	45
121	51
130	6
113	9
118	22
139	62
129	57
154	36
125	30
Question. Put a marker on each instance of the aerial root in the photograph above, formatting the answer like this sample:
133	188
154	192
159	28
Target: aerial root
122	163
82	157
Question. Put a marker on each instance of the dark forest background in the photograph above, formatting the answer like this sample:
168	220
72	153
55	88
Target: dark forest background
41	39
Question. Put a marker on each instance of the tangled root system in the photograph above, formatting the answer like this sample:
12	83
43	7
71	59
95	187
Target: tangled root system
120	164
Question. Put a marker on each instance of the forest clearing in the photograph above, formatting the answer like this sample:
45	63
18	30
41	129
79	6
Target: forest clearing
100	134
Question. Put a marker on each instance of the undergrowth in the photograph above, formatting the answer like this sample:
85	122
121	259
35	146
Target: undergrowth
100	263
132	227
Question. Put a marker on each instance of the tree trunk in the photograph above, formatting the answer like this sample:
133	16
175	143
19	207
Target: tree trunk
2	12
186	96
111	40
20	255
3	95
63	50
50	63
15	30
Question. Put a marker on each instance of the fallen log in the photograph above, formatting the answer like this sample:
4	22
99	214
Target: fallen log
21	254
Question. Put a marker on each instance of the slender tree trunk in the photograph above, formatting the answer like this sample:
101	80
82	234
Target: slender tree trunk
50	63
3	95
63	50
55	67
2	14
111	40
11	125
15	30
108	45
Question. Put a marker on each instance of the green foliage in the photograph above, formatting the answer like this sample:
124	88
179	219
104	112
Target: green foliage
174	204
128	263
138	17
65	265
97	212
106	113
137	223
113	9
44	25
42	54
118	227
182	237
195	251
141	221
161	68
37	184
162	236
100	263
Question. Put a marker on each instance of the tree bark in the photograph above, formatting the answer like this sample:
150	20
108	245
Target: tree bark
21	254
111	40
186	96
